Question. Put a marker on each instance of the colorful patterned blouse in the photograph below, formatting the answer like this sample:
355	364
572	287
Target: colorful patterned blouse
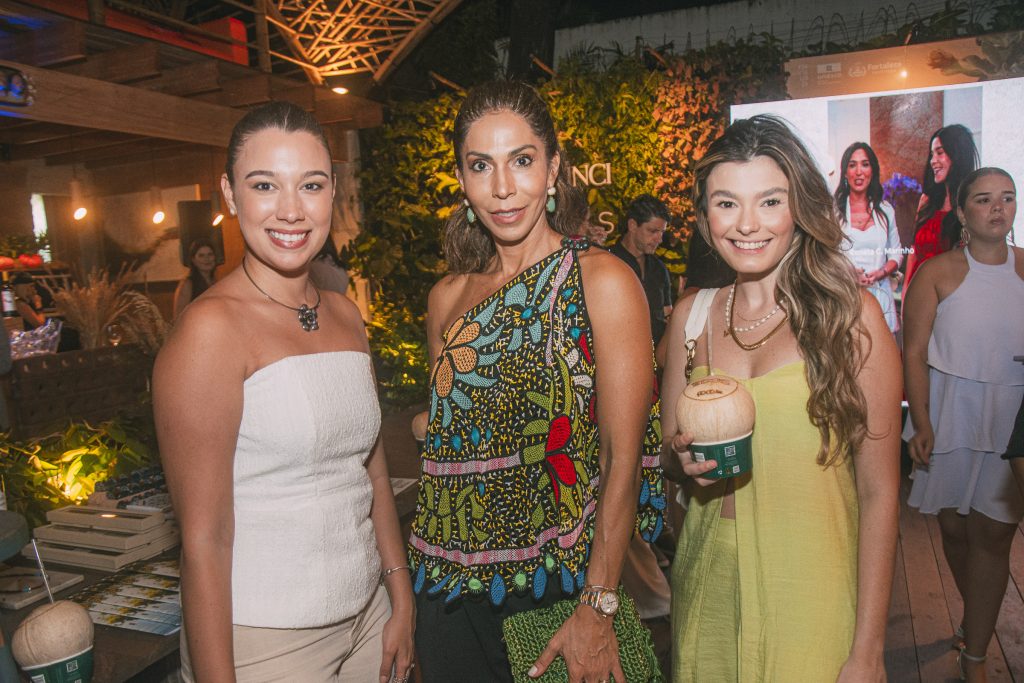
510	462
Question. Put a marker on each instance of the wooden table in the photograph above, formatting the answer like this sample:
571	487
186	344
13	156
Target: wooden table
118	652
121	654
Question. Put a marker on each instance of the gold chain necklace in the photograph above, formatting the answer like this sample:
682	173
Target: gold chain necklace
759	343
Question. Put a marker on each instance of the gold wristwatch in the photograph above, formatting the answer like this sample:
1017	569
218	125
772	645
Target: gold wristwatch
604	600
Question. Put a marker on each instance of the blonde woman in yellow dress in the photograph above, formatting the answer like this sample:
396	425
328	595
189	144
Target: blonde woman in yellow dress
784	573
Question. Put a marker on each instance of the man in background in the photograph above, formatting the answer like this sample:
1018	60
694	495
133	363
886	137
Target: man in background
644	226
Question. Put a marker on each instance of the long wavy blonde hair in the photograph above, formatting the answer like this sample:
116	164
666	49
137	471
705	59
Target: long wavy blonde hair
814	283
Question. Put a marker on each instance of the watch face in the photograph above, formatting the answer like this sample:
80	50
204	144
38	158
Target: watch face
608	603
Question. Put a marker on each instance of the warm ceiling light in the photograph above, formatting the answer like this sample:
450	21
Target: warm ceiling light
157	202
217	220
340	90
77	204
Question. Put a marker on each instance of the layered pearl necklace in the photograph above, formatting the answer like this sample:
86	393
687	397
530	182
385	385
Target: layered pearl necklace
732	330
757	323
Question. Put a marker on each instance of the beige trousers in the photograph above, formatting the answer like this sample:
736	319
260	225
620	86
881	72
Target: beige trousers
346	652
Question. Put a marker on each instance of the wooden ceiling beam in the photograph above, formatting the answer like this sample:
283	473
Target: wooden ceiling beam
293	43
244	92
328	107
355	112
65	146
191	79
303	96
60	42
131	150
122	65
30	132
77	101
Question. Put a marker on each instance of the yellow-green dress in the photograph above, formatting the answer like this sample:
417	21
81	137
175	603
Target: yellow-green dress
772	596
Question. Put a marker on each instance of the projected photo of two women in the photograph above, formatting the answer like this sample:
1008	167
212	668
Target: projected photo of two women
904	154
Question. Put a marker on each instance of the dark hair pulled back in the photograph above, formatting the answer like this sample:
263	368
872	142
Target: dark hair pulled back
280	115
468	247
964	191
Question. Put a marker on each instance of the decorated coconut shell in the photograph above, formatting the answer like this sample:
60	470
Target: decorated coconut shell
52	633
714	409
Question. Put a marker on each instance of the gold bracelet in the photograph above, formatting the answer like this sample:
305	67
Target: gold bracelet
399	568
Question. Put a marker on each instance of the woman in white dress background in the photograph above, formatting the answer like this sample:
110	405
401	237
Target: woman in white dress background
869	223
962	327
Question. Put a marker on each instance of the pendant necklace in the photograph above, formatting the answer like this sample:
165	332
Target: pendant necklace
307	314
731	329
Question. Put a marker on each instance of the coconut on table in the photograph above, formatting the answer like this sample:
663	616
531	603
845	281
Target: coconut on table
720	413
54	644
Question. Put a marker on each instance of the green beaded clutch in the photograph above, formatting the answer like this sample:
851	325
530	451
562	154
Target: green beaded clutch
528	633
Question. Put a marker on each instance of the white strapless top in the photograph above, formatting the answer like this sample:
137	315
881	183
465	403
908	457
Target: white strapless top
304	552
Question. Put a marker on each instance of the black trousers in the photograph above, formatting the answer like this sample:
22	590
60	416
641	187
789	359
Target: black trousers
462	642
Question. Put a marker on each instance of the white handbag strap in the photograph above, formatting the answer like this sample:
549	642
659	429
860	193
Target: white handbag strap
699	313
695	324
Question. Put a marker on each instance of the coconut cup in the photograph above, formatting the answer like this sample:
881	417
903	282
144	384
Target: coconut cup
720	413
54	644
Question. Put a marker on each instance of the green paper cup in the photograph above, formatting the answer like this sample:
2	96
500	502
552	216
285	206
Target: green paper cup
74	669
732	456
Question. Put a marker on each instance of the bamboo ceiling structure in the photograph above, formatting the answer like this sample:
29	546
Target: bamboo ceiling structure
345	37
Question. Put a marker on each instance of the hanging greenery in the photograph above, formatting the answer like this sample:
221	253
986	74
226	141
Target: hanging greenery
606	115
408	188
693	107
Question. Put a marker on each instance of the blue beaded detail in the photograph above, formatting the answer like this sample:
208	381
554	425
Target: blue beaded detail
575	242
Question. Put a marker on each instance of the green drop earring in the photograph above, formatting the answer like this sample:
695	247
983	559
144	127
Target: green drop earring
470	215
550	205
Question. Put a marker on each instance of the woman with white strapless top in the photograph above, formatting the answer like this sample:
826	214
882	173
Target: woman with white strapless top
292	564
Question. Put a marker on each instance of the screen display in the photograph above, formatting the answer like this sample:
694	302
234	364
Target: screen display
898	125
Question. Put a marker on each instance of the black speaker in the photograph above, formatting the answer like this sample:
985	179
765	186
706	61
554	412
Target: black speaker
194	223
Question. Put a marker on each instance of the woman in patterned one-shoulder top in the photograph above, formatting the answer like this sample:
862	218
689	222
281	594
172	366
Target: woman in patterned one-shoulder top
533	462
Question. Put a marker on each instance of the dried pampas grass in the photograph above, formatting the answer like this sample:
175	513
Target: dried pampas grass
103	301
